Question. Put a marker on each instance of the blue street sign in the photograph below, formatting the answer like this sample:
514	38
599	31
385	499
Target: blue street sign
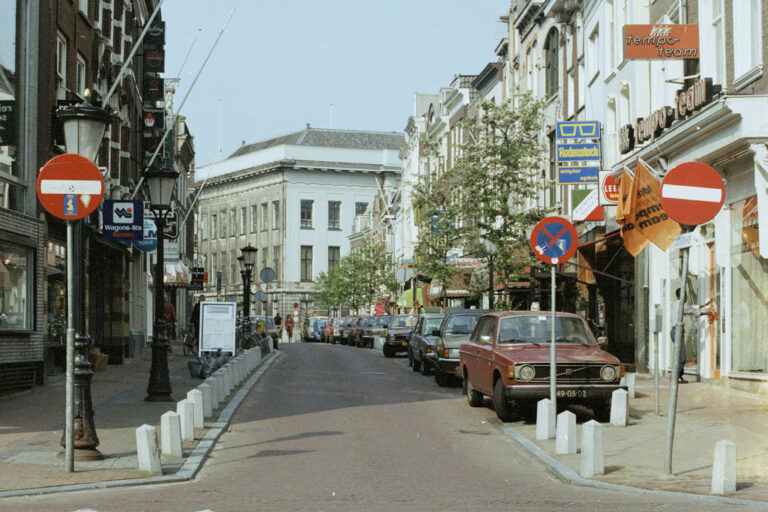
70	204
554	240
123	219
149	243
578	130
577	175
578	152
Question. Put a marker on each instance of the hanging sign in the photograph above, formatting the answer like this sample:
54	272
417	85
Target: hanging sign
123	220
149	242
154	118
607	188
70	187
692	193
171	231
154	61
554	240
154	89
578	152
578	130
577	174
586	205
8	133
661	41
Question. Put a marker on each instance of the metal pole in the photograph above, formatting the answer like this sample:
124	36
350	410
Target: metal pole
656	372
553	351
490	281
159	386
69	432
674	374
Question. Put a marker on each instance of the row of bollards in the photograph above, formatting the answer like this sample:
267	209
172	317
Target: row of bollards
563	428
180	425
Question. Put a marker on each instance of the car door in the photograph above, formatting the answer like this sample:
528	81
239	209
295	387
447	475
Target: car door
484	334
474	354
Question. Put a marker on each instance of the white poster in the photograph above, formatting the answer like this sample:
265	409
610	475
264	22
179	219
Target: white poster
217	326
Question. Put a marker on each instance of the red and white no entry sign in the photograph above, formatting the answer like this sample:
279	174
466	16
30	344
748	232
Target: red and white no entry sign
692	193
70	186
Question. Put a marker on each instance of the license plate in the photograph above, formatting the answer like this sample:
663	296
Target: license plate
572	393
404	344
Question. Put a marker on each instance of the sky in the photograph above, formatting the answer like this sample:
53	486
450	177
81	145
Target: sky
281	64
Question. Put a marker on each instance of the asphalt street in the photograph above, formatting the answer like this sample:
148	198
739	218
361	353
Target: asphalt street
342	428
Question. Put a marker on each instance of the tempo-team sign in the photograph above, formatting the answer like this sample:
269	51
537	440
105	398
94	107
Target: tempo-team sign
661	41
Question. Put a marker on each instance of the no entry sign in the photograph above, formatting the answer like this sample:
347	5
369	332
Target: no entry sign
692	193
554	240
70	186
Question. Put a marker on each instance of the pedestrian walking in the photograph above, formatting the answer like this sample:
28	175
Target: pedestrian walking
289	326
196	316
169	315
279	328
690	310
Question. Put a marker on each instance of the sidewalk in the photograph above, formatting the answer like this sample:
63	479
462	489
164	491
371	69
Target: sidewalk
706	414
32	422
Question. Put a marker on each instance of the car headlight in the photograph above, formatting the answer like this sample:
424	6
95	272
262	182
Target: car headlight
453	353
608	373
390	337
525	373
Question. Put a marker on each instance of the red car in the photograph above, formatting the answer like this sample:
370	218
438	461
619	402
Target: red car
507	358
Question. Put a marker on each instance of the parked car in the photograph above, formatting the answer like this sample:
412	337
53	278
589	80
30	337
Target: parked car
318	329
308	326
343	334
380	326
508	358
398	334
421	347
332	329
455	330
365	332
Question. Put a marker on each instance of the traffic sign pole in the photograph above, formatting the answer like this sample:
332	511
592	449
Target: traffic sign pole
69	432
553	350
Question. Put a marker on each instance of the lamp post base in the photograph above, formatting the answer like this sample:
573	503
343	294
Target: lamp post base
159	387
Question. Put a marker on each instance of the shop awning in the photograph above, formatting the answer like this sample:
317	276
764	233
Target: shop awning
176	274
406	299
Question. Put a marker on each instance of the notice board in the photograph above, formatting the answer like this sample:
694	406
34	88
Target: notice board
217	326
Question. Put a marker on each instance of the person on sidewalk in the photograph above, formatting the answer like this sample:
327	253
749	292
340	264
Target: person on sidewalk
169	315
279	327
690	310
196	317
289	326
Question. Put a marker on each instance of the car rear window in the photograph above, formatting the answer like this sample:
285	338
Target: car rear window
538	329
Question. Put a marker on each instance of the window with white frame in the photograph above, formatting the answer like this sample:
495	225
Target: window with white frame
275	214
747	38
611	132
264	217
61	66
593	54
552	55
581	85
718	28
306	213
80	75
243	219
610	35
529	69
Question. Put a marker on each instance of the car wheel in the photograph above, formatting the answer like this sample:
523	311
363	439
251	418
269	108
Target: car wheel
500	404
387	352
416	364
425	370
442	379
474	397
602	411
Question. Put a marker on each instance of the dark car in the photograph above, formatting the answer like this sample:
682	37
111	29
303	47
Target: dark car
456	328
422	344
364	333
508	359
380	326
351	330
318	329
398	333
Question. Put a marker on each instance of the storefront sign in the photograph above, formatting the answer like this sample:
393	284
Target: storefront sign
154	61
198	278
577	174
608	189
578	152
647	129
123	220
149	242
154	89
8	133
155	37
586	205
578	130
661	41
154	118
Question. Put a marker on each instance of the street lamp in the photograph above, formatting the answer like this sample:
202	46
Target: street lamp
84	125
488	251
246	267
161	183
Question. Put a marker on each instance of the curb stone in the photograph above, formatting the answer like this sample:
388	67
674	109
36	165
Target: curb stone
194	462
569	476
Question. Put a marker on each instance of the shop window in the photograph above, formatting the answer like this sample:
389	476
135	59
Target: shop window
16	287
749	277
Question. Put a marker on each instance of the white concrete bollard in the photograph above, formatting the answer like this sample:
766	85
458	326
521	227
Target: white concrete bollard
170	434
196	397
230	377
147	450
185	410
221	385
630	380
207	392
565	439
592	449
211	381
619	408
545	419
724	468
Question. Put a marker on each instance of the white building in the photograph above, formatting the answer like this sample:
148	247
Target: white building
294	198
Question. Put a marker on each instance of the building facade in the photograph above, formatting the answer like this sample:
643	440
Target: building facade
294	198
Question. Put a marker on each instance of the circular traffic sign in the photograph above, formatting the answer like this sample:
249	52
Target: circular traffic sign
267	275
692	193
70	186
554	240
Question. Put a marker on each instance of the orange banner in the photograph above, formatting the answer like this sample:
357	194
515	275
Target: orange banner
661	41
634	241
649	217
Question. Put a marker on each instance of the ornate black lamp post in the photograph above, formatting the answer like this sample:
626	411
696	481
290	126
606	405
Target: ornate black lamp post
84	125
161	184
247	263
